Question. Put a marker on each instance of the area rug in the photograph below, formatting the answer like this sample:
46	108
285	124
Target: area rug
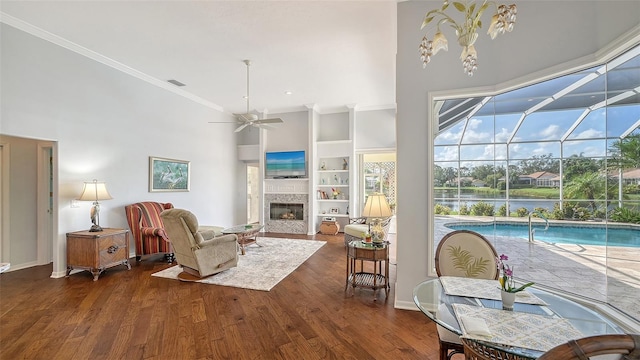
263	267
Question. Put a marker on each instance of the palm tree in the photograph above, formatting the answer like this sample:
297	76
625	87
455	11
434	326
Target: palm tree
625	153
587	186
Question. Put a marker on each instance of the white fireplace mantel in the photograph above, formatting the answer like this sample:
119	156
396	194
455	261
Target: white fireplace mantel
286	186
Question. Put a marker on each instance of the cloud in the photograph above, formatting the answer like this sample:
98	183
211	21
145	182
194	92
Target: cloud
472	135
446	153
503	135
588	134
552	132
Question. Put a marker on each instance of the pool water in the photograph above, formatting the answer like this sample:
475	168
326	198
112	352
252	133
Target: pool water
560	234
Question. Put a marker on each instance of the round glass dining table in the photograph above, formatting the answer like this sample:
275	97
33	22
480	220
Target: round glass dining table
432	300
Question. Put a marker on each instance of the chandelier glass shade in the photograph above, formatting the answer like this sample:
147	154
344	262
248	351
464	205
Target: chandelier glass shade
467	30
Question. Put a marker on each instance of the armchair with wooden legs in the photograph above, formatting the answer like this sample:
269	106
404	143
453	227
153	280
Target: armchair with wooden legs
147	228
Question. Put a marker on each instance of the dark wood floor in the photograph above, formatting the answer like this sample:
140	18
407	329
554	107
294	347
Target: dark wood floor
132	315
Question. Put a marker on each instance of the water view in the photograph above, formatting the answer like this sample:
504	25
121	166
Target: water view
450	199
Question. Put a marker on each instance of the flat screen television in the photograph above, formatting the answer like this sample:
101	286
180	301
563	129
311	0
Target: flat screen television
285	164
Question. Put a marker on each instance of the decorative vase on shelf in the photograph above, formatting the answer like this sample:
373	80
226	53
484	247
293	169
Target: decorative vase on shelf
508	298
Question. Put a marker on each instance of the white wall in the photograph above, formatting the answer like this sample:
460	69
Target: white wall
334	126
549	36
375	129
291	135
107	124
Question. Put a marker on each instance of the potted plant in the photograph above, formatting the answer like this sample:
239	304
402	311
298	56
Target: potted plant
507	284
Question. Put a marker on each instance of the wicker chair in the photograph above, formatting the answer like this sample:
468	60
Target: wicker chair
474	350
626	345
479	247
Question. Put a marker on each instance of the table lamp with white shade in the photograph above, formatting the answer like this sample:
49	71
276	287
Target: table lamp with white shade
376	209
94	191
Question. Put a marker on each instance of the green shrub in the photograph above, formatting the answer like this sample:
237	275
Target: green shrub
599	213
464	209
581	213
442	210
501	185
569	210
631	189
557	212
482	209
502	211
522	212
542	211
625	215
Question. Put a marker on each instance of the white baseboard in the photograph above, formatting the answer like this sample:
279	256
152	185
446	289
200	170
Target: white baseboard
405	305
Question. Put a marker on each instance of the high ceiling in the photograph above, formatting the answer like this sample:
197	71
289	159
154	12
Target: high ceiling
330	54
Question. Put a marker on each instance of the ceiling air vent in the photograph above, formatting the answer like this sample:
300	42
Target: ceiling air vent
175	82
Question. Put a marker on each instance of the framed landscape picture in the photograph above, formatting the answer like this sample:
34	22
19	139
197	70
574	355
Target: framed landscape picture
168	174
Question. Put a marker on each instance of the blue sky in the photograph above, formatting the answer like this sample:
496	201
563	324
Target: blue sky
539	134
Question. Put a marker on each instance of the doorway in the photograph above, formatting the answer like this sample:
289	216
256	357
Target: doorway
32	213
378	175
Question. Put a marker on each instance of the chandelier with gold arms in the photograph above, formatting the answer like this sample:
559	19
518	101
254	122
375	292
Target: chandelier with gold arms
467	32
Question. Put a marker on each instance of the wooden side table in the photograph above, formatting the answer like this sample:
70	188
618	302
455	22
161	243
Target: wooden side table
329	228
97	251
378	254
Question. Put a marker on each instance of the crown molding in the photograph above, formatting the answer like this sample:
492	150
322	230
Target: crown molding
69	45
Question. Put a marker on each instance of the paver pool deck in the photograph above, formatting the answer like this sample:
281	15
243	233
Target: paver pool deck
604	273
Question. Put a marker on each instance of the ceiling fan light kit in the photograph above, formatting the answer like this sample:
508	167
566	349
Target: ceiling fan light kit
249	119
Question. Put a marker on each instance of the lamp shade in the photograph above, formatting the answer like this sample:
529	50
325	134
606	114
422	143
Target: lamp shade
376	206
94	191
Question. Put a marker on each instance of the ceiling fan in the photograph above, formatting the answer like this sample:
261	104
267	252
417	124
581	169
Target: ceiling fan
249	119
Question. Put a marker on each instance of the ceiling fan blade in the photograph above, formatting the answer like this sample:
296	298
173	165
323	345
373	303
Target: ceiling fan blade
264	126
241	127
270	121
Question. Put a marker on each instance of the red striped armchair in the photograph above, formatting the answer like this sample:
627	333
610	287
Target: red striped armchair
148	230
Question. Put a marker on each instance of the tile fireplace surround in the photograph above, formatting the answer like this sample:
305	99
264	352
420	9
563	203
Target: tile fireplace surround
282	191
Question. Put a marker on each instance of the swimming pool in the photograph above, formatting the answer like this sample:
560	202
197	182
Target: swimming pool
585	235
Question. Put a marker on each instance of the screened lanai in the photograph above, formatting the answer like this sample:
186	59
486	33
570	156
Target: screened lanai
563	154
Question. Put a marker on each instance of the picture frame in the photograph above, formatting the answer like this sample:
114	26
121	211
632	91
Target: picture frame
334	211
169	174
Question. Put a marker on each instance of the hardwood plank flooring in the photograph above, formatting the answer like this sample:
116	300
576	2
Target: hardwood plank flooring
132	315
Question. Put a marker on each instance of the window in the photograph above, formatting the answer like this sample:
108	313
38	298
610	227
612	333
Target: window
564	153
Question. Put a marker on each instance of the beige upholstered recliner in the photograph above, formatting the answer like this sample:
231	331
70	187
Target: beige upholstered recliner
198	250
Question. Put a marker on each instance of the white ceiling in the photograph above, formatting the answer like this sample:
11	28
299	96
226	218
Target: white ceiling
328	53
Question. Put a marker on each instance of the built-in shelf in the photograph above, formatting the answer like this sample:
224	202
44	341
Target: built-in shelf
334	215
333	200
333	186
333	171
287	179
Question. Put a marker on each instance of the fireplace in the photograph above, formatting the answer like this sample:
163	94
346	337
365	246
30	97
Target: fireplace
286	211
